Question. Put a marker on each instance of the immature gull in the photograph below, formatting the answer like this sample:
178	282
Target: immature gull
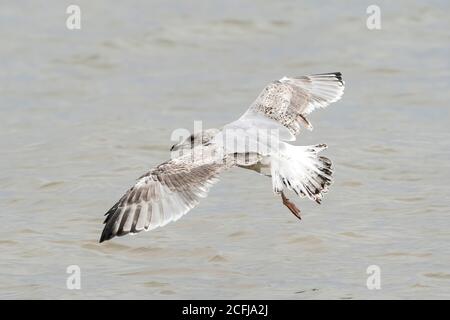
171	189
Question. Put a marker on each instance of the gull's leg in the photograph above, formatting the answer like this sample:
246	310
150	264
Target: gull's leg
291	206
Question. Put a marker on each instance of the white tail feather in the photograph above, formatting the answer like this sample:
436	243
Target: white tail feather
302	170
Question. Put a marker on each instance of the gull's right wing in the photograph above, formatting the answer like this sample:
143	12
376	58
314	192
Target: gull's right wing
287	101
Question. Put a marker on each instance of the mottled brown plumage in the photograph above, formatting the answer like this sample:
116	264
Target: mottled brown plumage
289	100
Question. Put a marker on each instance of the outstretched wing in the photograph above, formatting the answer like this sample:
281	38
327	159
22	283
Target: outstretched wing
162	195
289	100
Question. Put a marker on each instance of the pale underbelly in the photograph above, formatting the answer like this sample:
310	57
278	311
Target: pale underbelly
262	166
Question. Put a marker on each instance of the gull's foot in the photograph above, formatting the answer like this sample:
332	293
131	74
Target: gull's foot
291	206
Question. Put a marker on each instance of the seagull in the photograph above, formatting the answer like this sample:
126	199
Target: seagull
257	141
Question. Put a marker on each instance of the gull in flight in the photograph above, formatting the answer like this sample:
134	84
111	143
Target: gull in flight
256	141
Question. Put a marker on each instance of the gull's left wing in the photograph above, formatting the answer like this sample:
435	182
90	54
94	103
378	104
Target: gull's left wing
164	194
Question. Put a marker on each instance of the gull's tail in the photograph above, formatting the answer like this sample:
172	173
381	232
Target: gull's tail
302	170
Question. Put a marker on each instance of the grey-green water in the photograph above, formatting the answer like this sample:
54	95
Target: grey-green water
85	112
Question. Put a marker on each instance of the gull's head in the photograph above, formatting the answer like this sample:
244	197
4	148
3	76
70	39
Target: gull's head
195	139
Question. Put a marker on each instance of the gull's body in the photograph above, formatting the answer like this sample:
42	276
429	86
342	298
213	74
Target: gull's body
256	141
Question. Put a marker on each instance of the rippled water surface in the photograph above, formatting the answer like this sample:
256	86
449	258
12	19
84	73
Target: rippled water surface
83	113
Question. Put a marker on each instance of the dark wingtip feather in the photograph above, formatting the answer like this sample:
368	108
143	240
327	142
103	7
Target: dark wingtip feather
102	237
337	75
106	234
